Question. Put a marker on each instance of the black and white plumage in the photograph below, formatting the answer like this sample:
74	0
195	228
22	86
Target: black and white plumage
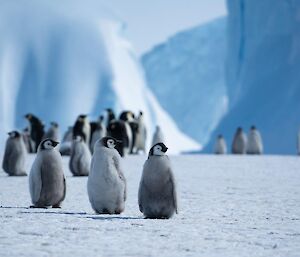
82	128
15	155
46	180
254	142
53	132
141	134
80	161
120	130
106	181
220	145
157	191
158	136
36	129
98	131
110	116
239	144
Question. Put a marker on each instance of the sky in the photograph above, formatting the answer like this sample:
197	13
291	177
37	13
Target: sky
150	22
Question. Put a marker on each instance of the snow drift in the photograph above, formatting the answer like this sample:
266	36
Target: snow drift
186	74
263	72
62	58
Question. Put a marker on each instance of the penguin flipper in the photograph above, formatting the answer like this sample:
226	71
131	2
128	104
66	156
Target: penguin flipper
6	158
173	188
141	195
35	182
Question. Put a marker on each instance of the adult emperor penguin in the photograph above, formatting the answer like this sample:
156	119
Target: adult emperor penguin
110	116
158	136
239	144
98	132
15	155
46	180
254	142
118	130
53	132
36	129
82	128
220	145
80	161
141	135
106	182
157	192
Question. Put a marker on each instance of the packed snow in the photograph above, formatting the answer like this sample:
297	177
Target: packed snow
228	206
63	58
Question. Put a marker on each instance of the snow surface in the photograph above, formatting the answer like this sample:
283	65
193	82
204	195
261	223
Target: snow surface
59	59
228	206
187	75
263	72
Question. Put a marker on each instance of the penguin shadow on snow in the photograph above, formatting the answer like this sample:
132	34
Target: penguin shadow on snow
114	217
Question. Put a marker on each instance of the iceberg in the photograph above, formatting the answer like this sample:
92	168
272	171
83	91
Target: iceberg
62	58
187	75
262	73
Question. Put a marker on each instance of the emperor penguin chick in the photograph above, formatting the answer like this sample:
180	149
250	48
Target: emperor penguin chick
220	145
46	180
53	132
15	155
106	182
157	192
254	143
158	136
80	161
239	144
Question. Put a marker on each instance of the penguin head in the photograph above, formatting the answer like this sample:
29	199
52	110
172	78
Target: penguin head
239	130
158	149
48	144
28	116
253	127
101	118
110	142
82	117
14	134
54	124
220	136
78	139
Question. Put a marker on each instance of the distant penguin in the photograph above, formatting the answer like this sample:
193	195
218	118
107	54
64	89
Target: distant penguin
46	180
66	144
80	161
298	143
98	132
106	181
53	132
15	155
254	142
29	144
110	116
220	145
141	135
158	136
118	130
36	129
82	128
131	128
239	144
157	192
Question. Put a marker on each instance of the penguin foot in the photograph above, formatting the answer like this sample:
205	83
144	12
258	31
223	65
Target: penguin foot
56	206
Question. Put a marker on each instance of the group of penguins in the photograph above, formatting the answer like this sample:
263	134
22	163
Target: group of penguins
95	151
241	144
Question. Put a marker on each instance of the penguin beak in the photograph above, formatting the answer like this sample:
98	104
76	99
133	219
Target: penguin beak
9	133
165	149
